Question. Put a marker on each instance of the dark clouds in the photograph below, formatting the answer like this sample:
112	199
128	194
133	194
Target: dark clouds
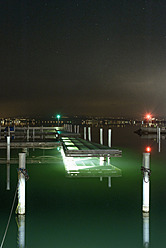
82	57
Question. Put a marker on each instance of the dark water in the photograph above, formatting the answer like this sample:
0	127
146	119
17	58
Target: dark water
85	212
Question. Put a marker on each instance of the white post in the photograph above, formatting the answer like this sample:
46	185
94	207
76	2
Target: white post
21	185
89	133
157	134
146	182
101	136
8	177
159	138
84	133
8	131
109	137
21	231
71	128
42	132
8	149
33	134
75	128
28	133
78	128
146	230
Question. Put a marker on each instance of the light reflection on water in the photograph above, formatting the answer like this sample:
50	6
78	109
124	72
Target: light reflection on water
84	212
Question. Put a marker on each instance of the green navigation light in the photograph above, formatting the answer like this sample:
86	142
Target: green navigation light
58	116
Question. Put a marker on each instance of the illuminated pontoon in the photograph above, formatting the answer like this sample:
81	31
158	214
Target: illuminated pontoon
77	147
86	159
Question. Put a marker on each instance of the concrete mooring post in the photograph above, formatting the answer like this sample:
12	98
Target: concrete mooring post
33	134
28	133
21	184
109	137
8	149
159	138
89	133
101	136
84	133
8	131
146	181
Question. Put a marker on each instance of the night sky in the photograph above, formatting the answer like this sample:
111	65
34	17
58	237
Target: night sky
94	57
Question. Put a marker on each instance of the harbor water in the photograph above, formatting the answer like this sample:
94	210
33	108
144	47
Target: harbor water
84	212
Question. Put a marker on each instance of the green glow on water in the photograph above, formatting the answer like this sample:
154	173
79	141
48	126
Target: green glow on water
84	212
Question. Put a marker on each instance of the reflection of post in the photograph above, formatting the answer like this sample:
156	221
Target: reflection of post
8	149
145	230
8	177
89	133
21	231
101	160
108	160
21	185
146	181
109	182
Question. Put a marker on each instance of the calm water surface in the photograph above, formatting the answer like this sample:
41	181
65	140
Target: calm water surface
84	212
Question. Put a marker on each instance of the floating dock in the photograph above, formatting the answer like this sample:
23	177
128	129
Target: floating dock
151	130
77	147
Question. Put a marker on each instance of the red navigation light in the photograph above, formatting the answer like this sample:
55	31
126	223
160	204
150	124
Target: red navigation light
148	149
148	116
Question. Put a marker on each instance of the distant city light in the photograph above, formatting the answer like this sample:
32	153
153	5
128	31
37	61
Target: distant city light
148	149
148	116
